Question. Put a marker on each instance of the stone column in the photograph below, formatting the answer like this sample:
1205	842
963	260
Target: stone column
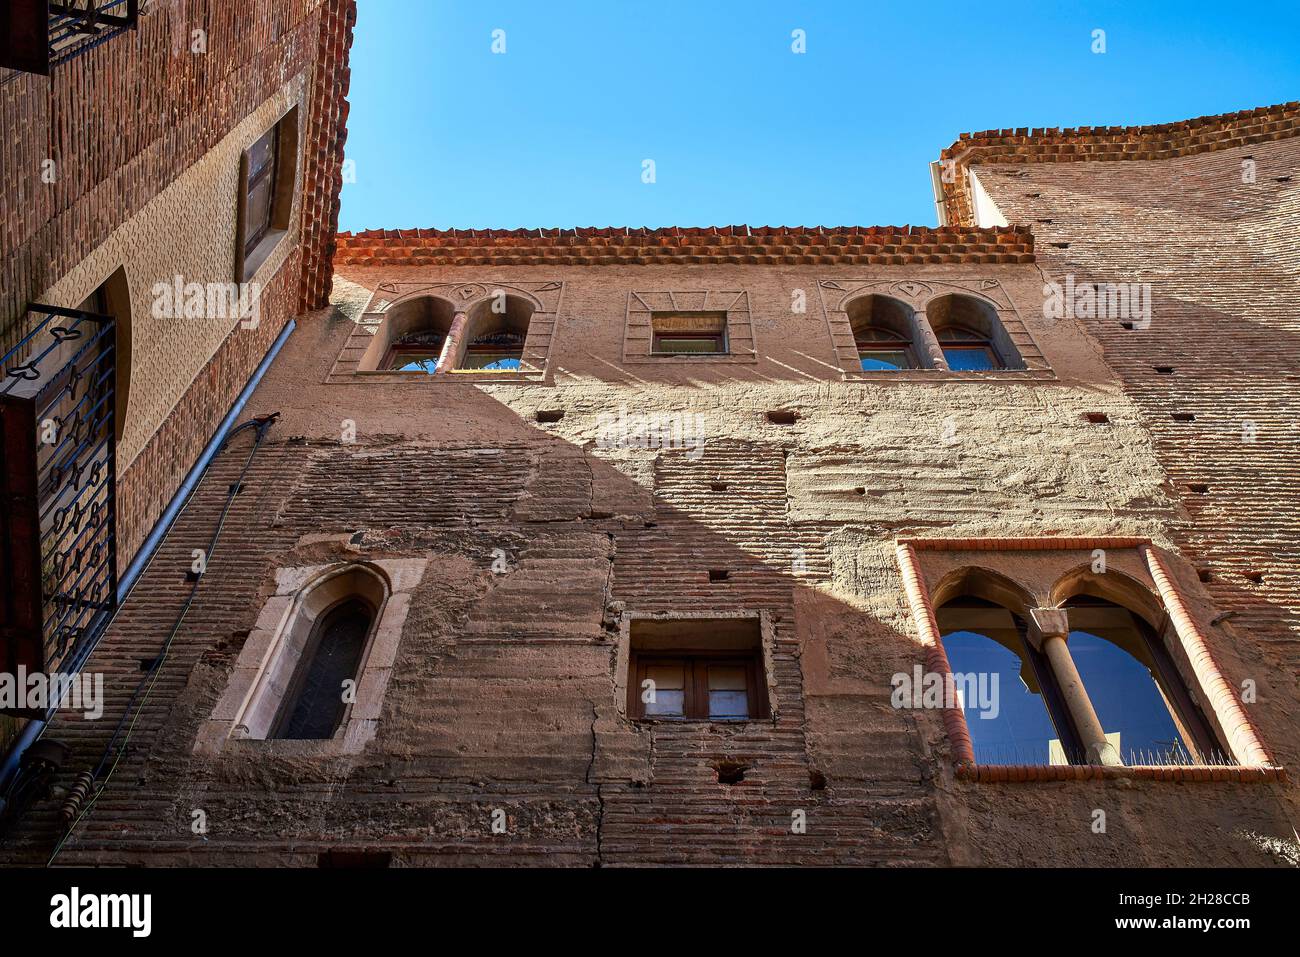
1049	631
927	344
451	346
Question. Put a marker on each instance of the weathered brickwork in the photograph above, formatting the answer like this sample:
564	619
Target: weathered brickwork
543	541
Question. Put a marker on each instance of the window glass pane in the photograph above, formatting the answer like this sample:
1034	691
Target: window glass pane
884	359
977	358
258	210
493	360
316	704
1010	725
689	345
728	692
262	153
414	362
668	695
1128	701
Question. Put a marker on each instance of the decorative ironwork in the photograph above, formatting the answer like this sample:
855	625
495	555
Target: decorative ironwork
57	488
37	34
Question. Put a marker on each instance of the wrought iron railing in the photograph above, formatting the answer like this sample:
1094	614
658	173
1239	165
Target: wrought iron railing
37	34
57	489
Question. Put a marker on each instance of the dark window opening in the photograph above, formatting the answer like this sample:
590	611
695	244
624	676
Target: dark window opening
268	170
315	702
415	352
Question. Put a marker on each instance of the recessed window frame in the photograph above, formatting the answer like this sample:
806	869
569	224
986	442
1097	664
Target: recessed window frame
256	238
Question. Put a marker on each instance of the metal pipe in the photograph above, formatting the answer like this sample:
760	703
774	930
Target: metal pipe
32	730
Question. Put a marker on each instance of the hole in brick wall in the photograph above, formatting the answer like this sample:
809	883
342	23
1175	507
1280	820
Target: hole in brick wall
1256	578
782	417
730	772
1044	221
1164	370
1283	179
193	576
859	491
718	486
1033	195
357	538
1097	418
148	664
1183	416
1060	245
550	415
236	487
1126	324
1200	488
1204	574
354	859
816	780
719	574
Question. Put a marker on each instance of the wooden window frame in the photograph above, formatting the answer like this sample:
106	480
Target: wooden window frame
397	350
695	703
887	340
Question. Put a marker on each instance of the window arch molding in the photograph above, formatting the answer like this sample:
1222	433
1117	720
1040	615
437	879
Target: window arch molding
976	581
495	331
1114	586
264	673
886	333
420	323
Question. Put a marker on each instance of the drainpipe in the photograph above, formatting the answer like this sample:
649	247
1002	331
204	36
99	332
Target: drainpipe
32	730
936	184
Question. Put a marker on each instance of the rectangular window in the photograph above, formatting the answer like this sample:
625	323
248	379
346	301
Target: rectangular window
698	686
689	333
267	177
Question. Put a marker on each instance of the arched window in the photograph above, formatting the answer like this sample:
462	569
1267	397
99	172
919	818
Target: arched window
970	334
314	702
1140	699
411	337
497	331
1008	694
882	331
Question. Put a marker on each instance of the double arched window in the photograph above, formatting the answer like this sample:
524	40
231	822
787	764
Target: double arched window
956	332
1126	702
429	335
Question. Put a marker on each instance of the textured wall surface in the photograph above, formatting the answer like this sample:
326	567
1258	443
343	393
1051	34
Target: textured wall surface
541	543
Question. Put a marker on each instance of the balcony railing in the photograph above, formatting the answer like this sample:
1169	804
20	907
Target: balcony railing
57	490
37	34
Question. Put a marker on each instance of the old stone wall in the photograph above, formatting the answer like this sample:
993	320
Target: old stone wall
542	544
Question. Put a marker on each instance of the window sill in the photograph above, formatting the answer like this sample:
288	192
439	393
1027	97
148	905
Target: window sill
1032	773
255	260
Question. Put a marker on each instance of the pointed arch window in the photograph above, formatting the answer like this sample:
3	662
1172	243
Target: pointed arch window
316	699
883	349
1008	693
1142	703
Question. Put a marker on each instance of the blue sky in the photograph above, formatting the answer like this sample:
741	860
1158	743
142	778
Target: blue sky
554	131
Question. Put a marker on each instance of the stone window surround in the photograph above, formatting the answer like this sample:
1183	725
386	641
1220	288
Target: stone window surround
623	658
252	696
1012	339
1223	707
462	301
638	332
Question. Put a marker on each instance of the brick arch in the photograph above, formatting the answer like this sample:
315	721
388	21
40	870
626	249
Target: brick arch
878	309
